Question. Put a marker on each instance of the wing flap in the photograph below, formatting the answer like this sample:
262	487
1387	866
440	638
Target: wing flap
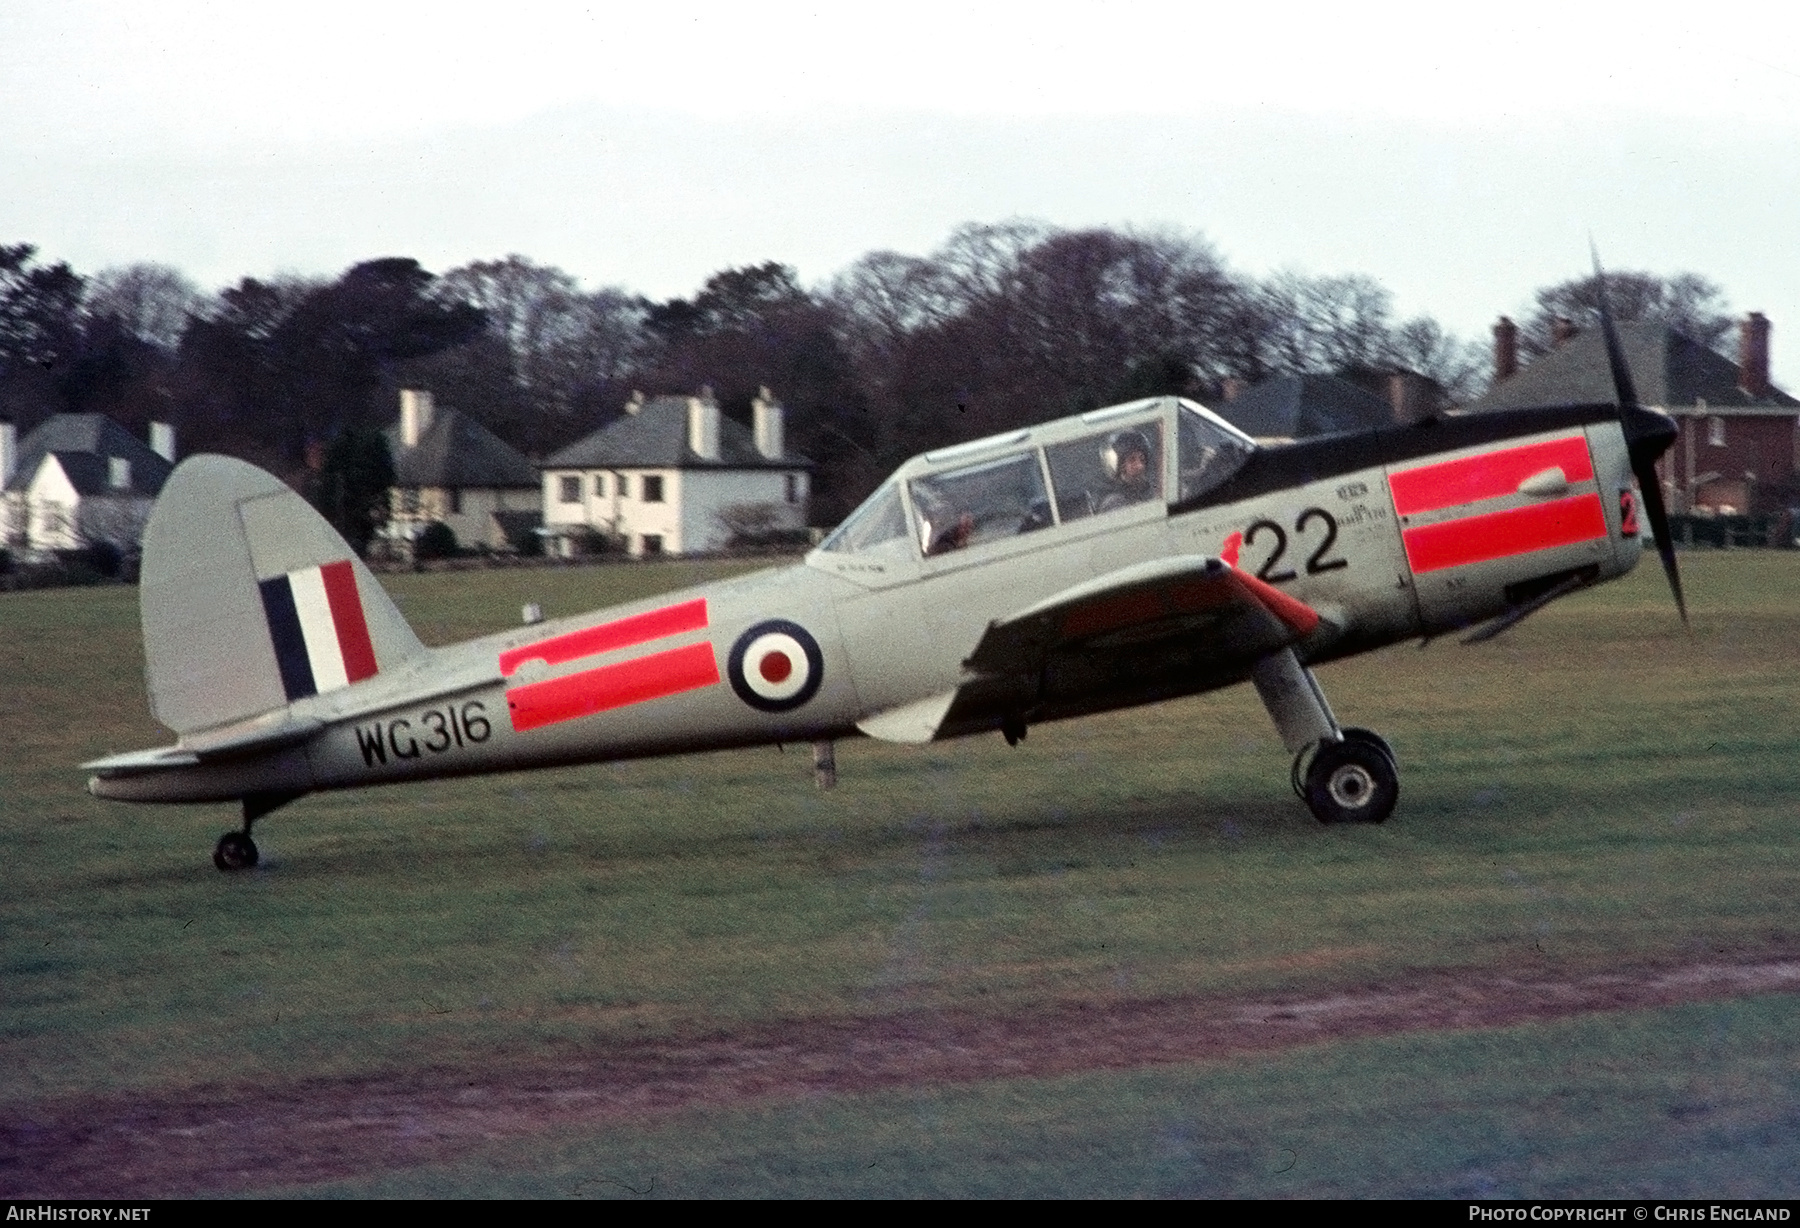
913	723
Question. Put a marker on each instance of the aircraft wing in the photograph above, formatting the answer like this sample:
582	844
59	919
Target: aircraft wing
1167	599
1167	627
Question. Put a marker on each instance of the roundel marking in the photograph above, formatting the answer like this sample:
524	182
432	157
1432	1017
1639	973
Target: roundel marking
776	666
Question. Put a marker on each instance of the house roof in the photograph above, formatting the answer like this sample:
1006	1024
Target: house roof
458	452
1668	368
1295	406
656	437
84	445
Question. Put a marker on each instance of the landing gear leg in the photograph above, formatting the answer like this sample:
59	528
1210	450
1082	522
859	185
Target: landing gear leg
1343	775
236	850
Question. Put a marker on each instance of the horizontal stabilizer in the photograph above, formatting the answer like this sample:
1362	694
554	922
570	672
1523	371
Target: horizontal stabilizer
139	762
251	738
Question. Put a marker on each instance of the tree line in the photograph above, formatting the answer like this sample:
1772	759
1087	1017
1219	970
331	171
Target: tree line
1003	325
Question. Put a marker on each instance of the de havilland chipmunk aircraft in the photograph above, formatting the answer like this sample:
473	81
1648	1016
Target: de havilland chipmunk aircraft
1119	557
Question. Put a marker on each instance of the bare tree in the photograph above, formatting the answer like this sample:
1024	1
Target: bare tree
1687	302
1322	324
153	302
1459	366
559	343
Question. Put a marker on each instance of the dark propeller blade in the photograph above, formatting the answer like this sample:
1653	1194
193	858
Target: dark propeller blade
1648	435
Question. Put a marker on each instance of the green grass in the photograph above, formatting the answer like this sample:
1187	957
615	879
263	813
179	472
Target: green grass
1595	788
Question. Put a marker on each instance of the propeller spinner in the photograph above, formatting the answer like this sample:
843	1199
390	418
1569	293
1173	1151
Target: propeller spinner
1648	435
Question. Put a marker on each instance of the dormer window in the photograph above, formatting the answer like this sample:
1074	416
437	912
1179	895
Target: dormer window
118	473
1715	431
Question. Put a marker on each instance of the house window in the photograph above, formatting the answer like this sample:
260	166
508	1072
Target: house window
571	488
793	488
653	494
652	541
599	486
118	473
409	501
456	501
1715	431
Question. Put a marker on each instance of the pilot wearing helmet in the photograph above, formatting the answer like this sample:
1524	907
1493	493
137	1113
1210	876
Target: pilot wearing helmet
1127	458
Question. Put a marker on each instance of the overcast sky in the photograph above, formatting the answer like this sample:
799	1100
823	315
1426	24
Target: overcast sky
1460	154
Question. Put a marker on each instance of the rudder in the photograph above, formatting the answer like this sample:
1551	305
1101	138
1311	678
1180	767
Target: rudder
250	601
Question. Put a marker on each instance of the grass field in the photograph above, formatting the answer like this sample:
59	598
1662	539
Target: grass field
1596	792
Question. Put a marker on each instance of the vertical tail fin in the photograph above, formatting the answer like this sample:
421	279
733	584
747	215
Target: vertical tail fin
251	601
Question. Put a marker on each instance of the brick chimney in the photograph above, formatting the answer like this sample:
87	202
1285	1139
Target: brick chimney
1753	355
1562	330
1506	349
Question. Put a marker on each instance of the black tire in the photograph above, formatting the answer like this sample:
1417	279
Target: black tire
1353	781
1369	736
235	851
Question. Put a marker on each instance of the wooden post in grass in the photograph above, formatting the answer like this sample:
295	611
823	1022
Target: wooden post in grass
825	765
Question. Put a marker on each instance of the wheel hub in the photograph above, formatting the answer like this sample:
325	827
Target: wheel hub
1351	786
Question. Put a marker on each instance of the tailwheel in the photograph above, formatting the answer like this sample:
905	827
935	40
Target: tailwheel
1353	781
235	851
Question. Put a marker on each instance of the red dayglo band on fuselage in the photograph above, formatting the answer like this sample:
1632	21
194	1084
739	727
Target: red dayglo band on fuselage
1497	535
1488	476
623	633
612	686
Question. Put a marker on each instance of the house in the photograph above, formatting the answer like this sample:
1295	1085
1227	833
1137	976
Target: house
80	480
1739	446
1296	406
675	476
450	469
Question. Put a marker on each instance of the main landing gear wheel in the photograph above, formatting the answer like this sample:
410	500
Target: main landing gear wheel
235	851
1354	734
1353	781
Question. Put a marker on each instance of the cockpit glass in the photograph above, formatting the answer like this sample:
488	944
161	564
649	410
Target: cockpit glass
878	525
980	502
1207	453
1107	470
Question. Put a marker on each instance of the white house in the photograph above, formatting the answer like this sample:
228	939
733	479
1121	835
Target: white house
675	476
450	468
79	480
